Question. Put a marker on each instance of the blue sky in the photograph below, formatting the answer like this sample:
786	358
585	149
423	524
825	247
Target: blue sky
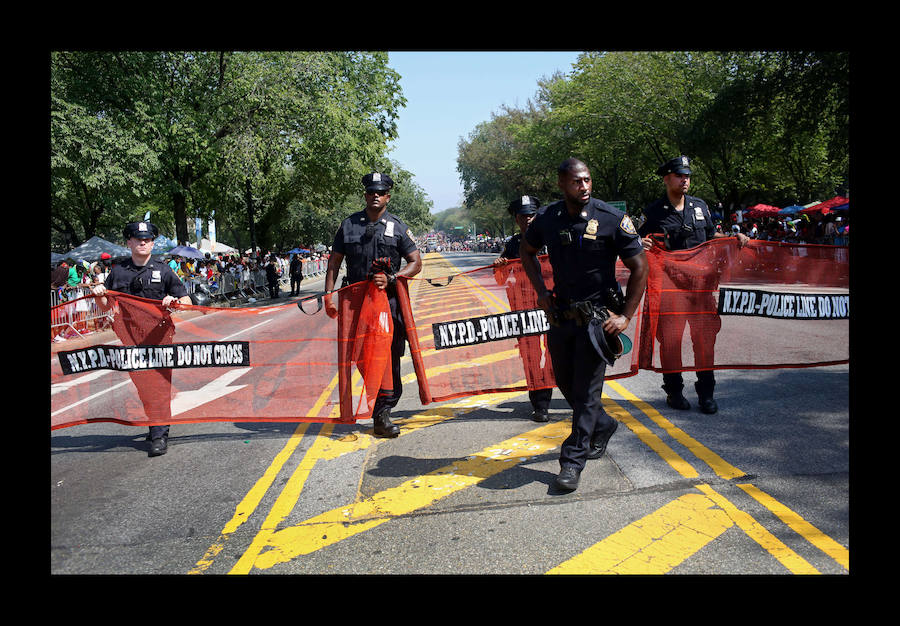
447	95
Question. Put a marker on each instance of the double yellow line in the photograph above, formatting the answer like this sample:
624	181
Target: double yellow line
652	545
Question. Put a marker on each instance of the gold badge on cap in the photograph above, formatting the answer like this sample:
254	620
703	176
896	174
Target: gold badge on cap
627	226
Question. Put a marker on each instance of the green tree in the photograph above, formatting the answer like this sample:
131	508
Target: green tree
290	123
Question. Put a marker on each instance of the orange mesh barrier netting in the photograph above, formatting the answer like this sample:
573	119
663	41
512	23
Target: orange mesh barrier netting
201	364
711	307
769	304
481	332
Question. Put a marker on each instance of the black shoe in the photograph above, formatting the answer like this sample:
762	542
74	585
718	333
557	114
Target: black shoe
540	415
705	397
598	442
708	404
383	425
676	400
159	446
568	478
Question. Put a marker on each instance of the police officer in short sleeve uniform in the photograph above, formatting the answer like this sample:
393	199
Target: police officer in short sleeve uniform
524	209
150	278
684	221
371	234
584	237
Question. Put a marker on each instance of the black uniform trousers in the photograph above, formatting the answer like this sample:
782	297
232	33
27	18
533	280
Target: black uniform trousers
389	399
540	398
579	373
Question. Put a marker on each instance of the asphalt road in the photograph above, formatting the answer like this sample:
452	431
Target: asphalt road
761	487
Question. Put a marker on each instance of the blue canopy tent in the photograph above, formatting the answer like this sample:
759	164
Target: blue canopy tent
298	251
791	210
186	251
162	244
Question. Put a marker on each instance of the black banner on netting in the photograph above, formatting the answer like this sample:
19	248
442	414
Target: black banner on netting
794	306
148	357
467	332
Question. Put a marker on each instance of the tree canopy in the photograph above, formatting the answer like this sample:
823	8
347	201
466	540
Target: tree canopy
759	127
272	143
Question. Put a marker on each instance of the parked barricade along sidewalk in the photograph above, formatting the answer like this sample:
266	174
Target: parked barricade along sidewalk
74	315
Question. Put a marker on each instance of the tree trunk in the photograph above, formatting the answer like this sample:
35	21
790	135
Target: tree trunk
179	208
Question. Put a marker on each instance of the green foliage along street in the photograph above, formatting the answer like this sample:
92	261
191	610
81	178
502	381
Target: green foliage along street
274	143
759	127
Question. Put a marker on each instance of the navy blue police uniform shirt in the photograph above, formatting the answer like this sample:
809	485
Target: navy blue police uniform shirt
154	281
362	241
683	229
583	249
511	249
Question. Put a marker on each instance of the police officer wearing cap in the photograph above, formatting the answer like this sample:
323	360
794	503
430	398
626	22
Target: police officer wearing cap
371	234
584	237
145	277
683	221
524	209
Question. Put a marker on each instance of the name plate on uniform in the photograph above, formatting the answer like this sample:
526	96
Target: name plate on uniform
137	358
474	330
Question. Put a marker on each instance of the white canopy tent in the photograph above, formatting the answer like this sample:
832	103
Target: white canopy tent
219	247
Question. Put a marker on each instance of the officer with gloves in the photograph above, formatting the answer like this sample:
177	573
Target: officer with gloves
584	237
373	242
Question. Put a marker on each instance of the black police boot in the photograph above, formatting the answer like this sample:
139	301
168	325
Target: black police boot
675	399
383	425
540	415
705	398
159	446
568	478
599	441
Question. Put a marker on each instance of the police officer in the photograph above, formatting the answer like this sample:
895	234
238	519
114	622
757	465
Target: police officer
145	277
684	222
372	234
584	236
524	209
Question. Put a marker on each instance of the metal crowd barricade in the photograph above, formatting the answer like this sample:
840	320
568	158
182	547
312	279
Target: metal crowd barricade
72	313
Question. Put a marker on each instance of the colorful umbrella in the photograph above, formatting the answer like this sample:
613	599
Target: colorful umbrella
761	210
828	206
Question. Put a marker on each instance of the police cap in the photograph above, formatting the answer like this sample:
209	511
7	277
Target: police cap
140	230
678	165
377	181
609	347
525	205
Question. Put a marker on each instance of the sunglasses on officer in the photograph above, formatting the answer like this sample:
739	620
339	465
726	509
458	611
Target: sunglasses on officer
377	192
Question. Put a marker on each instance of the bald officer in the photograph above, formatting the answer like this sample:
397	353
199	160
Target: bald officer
684	221
146	277
371	234
584	237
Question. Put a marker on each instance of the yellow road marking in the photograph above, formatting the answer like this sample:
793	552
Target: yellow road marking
652	441
756	531
251	501
799	525
656	543
722	468
416	493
